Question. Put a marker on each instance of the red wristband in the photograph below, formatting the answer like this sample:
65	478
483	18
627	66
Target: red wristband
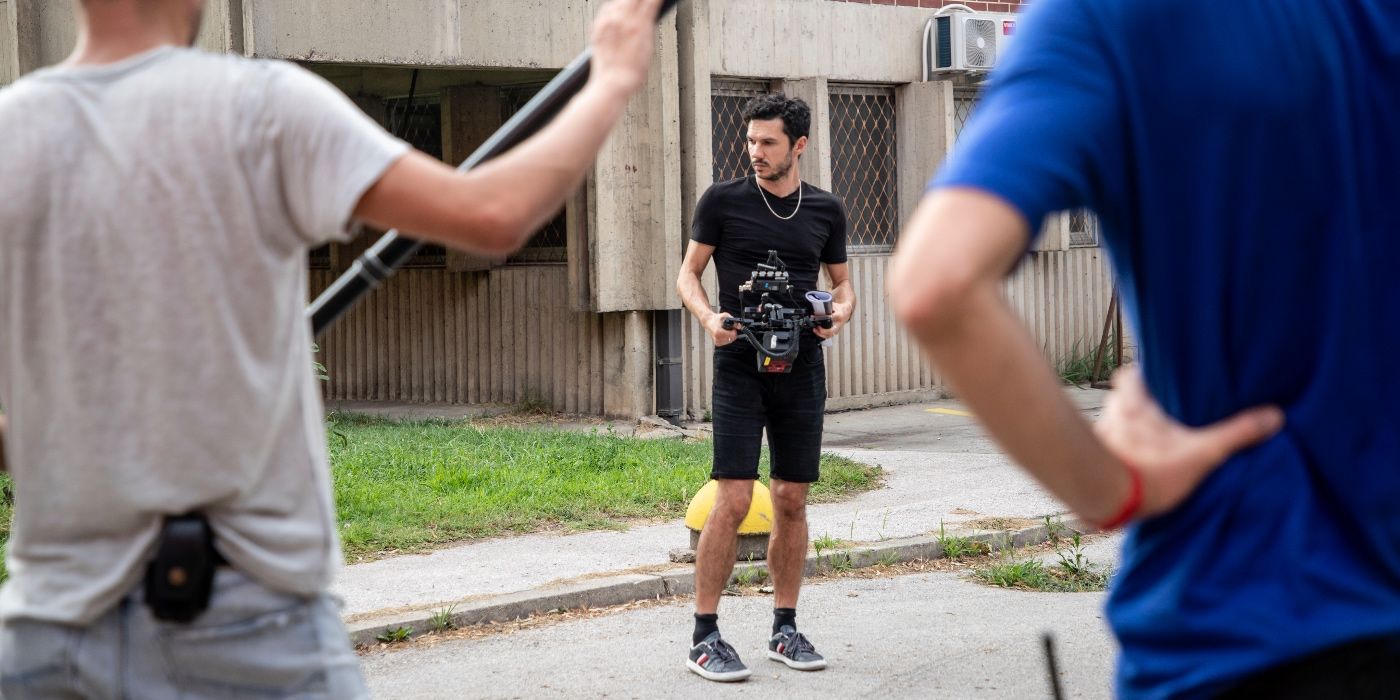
1130	507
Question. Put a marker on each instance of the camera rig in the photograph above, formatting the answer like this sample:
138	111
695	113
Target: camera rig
773	323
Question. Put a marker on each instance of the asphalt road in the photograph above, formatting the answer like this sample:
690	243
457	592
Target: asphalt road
922	635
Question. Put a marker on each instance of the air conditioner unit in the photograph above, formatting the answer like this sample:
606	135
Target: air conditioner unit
965	42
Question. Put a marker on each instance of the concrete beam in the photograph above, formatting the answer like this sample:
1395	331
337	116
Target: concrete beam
500	33
838	40
44	32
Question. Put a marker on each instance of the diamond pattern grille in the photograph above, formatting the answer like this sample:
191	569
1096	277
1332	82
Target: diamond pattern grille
1083	225
864	167
550	243
1083	229
963	103
729	132
419	122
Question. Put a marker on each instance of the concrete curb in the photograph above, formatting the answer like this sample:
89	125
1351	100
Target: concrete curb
606	591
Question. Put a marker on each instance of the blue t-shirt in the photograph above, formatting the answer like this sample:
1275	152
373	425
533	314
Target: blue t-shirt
1244	160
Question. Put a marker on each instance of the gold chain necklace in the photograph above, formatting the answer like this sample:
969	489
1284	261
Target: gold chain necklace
770	206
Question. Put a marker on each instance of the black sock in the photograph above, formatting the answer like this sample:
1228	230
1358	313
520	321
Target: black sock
705	625
784	616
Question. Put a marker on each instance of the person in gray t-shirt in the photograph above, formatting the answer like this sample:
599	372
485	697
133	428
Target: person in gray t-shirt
159	203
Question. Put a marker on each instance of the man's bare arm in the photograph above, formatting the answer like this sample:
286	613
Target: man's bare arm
495	207
945	286
843	299
692	293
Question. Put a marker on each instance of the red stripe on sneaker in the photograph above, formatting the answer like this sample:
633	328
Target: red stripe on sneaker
781	647
702	660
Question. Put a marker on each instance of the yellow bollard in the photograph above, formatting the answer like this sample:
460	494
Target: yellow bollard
753	531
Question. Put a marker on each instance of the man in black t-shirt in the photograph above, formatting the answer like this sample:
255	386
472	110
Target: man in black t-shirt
738	223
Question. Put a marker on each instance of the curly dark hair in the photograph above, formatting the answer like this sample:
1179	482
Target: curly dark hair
796	115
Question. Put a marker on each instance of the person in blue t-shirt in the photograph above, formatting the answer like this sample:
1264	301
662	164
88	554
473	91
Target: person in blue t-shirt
1245	165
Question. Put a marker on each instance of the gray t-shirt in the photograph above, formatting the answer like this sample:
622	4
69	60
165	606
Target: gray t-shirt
154	355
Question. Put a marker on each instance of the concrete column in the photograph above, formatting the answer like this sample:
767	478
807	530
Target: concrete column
697	118
628	386
45	33
38	33
223	27
924	119
816	162
637	213
469	116
9	50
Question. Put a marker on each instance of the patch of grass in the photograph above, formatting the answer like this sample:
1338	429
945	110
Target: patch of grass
395	635
887	559
1077	367
836	561
825	542
6	508
1054	530
408	486
840	562
442	619
1073	573
957	547
841	478
1009	573
750	576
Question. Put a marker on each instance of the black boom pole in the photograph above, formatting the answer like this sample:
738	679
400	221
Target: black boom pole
393	250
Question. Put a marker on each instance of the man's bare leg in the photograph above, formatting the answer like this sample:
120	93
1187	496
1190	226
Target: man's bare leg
787	559
719	543
787	548
710	656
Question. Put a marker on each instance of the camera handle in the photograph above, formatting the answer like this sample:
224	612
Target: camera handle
730	322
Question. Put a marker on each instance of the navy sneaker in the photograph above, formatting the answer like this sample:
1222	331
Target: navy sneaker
713	659
793	649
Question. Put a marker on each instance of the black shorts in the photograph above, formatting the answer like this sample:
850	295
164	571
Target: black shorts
791	406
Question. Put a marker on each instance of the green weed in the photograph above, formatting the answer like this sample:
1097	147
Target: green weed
395	635
442	621
957	547
1077	367
1073	574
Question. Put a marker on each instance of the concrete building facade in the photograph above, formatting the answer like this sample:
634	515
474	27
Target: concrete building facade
577	321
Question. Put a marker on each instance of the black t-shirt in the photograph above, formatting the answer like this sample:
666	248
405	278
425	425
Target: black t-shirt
732	217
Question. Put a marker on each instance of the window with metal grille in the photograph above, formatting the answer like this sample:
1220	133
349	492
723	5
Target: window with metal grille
964	100
550	243
1083	229
729	133
864	166
419	122
1083	225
